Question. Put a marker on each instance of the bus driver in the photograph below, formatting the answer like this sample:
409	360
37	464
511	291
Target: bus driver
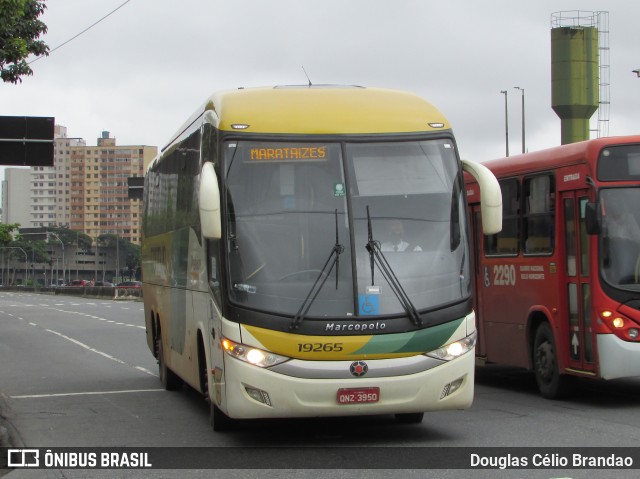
396	238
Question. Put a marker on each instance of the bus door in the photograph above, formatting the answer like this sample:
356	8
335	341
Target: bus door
580	339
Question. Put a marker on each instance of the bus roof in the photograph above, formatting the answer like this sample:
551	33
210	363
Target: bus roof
555	157
324	109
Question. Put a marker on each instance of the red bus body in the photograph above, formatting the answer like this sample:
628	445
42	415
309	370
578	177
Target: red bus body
553	294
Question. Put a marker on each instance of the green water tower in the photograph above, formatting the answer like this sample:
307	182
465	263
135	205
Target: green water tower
574	72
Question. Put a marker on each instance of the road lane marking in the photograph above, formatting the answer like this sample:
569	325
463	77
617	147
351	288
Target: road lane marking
101	353
145	370
80	313
86	346
86	393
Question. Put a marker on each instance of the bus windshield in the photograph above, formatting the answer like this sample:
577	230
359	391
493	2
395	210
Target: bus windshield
621	237
289	204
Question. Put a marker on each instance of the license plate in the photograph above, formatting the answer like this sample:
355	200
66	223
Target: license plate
358	395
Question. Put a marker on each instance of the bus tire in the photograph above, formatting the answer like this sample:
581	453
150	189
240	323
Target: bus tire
551	383
410	418
168	378
219	421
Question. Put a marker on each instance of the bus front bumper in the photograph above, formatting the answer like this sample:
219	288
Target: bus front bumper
618	358
282	396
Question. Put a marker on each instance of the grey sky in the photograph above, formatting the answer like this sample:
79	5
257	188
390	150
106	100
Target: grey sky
140	73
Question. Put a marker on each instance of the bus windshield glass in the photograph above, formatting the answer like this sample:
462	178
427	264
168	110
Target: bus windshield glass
289	204
619	163
621	237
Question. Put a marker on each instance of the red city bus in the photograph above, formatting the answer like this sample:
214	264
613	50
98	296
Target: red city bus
558	289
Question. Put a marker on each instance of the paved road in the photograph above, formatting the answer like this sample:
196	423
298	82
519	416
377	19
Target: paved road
77	372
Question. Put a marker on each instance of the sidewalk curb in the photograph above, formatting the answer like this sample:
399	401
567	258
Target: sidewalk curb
9	436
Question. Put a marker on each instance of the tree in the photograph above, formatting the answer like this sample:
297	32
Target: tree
36	252
8	232
19	33
8	235
70	237
133	259
129	253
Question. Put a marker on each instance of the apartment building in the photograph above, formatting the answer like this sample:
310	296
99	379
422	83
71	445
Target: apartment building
15	196
98	190
49	200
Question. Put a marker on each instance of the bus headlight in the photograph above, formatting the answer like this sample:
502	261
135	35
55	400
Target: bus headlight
618	323
455	349
248	354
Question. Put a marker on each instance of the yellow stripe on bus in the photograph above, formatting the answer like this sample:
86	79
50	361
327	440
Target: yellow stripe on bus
324	348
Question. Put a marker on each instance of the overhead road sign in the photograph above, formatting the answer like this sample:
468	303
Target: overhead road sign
26	140
135	187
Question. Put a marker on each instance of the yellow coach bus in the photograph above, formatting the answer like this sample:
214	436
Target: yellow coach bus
306	252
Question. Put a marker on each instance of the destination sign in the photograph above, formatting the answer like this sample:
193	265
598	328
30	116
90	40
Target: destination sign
284	153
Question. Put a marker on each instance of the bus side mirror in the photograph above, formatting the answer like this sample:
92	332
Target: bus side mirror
591	219
490	196
209	203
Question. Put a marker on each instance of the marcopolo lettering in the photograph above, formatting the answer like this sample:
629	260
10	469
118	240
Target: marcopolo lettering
362	327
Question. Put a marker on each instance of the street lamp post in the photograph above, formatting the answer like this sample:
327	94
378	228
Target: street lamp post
523	139
62	245
26	260
506	121
118	259
95	264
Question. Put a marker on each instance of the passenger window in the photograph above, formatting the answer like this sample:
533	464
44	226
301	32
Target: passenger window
505	243
539	214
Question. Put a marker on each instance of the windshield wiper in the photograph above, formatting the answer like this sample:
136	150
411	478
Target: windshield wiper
333	260
376	257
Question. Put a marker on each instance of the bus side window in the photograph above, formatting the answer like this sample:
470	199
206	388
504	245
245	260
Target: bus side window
539	214
506	242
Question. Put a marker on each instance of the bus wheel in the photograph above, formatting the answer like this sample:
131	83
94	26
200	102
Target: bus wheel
168	378
410	418
551	383
219	421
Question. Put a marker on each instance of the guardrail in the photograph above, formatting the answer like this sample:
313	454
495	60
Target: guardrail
106	292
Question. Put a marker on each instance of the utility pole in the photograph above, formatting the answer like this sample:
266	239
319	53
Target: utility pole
506	121
523	140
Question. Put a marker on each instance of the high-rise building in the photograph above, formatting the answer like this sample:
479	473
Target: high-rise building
49	188
15	196
98	190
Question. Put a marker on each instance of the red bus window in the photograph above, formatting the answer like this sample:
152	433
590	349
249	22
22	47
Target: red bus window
538	221
506	242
